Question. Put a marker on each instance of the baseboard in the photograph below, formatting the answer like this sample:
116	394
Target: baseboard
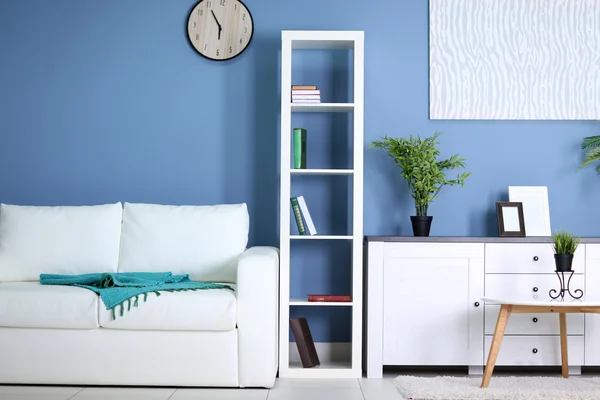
327	351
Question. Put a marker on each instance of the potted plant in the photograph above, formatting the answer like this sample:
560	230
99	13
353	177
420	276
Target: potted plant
423	171
564	245
592	145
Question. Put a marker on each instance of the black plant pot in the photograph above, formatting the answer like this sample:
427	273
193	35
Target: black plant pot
421	224
563	262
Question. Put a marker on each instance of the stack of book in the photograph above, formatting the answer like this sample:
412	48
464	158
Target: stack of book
305	94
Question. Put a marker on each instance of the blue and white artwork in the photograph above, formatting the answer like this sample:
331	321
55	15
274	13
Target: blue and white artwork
514	59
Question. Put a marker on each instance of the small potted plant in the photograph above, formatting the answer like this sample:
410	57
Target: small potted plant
423	171
564	245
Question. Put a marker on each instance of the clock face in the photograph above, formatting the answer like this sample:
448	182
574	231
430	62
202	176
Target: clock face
220	29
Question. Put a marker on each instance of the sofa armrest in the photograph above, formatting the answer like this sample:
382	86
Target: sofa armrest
258	316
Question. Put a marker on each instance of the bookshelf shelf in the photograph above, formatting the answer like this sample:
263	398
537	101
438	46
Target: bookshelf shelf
321	237
353	41
321	171
325	370
304	302
322	107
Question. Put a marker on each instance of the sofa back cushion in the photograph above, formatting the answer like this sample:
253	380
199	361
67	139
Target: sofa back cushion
203	241
58	240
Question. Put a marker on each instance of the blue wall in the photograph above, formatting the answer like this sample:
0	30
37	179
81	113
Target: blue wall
108	102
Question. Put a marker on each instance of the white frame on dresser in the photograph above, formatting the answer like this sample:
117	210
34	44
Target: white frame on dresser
375	251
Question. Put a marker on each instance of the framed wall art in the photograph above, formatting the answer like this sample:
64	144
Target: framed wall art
514	59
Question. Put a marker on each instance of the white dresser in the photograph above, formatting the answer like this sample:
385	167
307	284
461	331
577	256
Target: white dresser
423	302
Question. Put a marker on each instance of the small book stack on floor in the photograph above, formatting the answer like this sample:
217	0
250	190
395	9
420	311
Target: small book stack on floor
305	94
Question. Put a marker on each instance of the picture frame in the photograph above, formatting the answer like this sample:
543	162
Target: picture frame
536	208
511	221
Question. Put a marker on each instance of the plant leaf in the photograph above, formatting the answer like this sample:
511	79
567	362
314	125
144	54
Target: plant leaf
591	142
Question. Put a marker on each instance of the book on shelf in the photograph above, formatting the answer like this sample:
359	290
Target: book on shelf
299	148
304	342
304	221
306	101
298	216
306	97
330	298
304	87
305	94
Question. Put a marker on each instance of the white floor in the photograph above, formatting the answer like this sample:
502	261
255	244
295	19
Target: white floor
288	389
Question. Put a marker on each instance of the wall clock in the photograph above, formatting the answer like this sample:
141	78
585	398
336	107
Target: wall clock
220	29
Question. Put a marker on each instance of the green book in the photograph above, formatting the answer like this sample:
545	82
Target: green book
298	215
299	148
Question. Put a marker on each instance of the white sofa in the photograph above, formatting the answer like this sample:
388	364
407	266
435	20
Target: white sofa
64	334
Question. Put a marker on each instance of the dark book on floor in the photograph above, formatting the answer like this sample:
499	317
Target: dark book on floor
304	342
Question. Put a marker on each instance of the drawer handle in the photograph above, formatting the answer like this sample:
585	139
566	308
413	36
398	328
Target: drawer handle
535	289
535	319
535	258
534	351
476	304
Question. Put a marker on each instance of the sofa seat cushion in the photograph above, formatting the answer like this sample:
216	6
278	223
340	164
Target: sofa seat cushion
31	305
200	310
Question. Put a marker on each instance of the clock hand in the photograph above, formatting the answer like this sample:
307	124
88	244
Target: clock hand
216	20
219	38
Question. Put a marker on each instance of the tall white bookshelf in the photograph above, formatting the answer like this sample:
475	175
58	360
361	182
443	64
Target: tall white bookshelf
293	41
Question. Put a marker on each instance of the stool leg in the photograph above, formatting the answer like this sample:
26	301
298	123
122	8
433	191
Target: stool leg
564	352
505	311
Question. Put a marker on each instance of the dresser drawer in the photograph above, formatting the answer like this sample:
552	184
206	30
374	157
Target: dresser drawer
526	286
533	324
526	258
592	251
536	350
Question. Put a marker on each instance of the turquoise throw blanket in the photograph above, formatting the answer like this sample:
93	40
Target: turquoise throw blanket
117	288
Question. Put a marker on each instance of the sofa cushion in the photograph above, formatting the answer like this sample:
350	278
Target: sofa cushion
202	241
200	310
58	240
31	305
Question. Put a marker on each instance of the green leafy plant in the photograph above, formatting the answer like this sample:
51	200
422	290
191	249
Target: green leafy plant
424	173
592	145
564	242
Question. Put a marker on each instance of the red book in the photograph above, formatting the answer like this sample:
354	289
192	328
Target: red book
328	298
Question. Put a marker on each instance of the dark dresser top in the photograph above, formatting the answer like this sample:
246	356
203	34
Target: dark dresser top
470	239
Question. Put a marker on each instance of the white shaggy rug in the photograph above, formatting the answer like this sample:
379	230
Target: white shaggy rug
500	388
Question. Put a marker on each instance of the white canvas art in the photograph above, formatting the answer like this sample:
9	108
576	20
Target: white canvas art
536	208
514	59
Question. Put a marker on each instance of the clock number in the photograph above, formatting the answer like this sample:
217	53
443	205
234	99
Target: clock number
240	41
235	7
230	50
197	36
208	4
194	24
222	2
217	51
244	17
245	29
205	46
200	12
